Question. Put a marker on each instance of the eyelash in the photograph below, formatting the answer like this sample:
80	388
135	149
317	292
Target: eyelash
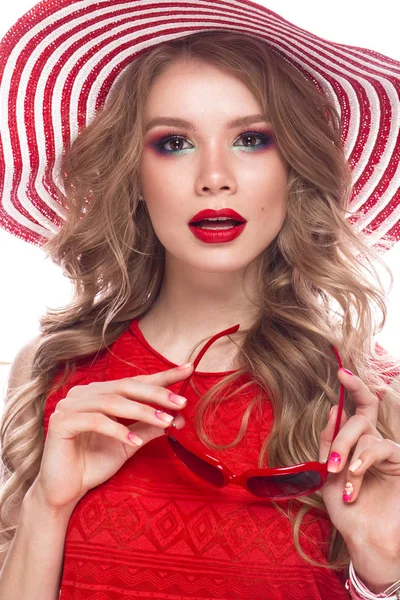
267	140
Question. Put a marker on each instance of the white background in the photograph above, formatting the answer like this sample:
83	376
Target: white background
30	282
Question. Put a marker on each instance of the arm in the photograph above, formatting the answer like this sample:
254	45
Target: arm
379	568
368	515
33	565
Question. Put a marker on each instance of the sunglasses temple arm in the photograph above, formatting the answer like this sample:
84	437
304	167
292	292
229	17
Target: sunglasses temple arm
200	355
234	329
341	397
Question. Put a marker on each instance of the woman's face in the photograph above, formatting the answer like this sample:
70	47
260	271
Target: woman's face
210	165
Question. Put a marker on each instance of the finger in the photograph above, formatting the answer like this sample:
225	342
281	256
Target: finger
66	426
113	405
371	451
346	439
169	376
80	400
149	432
365	401
327	433
161	378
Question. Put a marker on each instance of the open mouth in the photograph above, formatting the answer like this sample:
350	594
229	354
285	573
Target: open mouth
216	223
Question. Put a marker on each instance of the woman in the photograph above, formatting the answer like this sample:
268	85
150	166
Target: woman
210	191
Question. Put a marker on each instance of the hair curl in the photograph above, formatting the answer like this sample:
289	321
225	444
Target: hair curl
320	286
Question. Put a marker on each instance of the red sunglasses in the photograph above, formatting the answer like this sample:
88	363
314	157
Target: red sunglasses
281	483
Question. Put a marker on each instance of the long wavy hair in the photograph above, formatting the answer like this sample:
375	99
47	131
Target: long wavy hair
318	278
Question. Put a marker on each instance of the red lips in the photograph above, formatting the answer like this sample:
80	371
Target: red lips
222	212
226	231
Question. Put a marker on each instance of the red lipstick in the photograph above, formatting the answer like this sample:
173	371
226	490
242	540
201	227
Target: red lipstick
212	214
217	226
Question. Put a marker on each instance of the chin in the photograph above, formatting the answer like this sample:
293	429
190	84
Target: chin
220	266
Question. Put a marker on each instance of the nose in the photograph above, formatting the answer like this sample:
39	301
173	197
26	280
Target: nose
216	175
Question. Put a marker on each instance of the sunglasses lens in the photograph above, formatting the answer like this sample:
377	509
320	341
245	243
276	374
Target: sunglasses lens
196	464
283	486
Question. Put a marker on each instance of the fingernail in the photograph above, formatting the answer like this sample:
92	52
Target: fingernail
355	465
135	439
348	492
185	366
348	372
334	462
177	399
163	416
330	412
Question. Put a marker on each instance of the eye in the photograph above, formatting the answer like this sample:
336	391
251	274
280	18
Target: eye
251	136
174	143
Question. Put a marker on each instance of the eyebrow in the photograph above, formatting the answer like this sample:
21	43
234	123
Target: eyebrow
240	122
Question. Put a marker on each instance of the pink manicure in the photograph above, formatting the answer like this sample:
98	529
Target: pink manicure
163	416
347	371
135	438
177	399
334	462
348	492
184	366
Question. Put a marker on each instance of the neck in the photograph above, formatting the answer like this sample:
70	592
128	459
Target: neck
193	305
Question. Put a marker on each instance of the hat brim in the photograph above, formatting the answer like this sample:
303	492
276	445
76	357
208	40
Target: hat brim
59	62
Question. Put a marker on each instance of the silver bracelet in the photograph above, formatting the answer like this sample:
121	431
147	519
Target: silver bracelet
391	593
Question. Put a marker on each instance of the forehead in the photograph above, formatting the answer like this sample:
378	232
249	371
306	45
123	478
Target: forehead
195	72
193	89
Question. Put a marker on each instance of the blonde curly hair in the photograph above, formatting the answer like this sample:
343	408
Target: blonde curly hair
315	276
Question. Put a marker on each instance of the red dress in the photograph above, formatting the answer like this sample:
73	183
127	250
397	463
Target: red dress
155	530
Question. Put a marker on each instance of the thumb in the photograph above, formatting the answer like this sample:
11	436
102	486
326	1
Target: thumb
148	432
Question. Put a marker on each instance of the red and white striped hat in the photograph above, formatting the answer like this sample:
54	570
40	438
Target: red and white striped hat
60	60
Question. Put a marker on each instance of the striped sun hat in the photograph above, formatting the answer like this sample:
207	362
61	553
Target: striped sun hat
59	62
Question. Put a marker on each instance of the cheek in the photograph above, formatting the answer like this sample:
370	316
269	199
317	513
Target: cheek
160	210
271	211
165	210
160	179
271	219
275	191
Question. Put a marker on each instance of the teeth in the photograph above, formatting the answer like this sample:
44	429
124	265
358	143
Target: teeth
216	219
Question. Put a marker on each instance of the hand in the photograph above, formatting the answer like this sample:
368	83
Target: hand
363	504
85	444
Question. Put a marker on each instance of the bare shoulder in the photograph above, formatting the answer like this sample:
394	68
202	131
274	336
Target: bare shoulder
21	368
19	374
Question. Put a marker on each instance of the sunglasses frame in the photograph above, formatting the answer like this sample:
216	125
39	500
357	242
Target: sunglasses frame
175	436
